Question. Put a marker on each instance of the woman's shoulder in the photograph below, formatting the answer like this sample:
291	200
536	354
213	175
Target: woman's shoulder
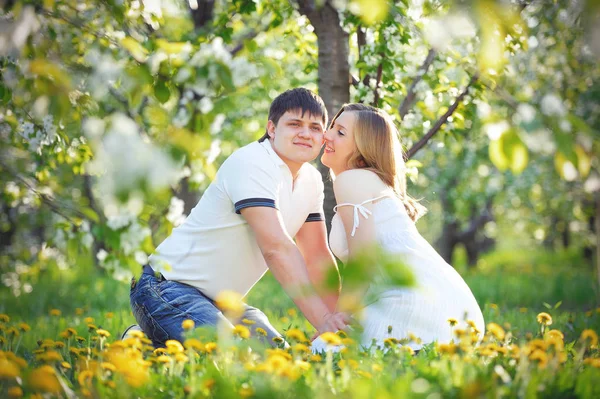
357	185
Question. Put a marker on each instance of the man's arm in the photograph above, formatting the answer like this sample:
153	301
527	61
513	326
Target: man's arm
311	240
287	265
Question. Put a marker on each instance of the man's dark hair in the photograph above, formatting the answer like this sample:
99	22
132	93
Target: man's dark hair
296	99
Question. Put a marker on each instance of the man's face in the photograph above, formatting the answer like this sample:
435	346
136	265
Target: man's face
296	139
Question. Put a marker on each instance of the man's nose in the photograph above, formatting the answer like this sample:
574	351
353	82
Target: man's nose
305	132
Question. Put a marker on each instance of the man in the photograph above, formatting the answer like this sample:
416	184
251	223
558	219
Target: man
263	195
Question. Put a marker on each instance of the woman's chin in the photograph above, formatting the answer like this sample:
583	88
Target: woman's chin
324	160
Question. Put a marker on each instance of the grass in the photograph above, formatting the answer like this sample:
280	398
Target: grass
512	287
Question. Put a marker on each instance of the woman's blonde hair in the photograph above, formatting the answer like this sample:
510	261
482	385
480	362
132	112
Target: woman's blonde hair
378	149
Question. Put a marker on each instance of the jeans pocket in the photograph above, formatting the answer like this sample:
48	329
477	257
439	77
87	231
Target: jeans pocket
154	331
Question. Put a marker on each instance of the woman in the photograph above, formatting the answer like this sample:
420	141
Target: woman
365	157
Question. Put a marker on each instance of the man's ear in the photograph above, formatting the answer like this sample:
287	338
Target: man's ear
271	129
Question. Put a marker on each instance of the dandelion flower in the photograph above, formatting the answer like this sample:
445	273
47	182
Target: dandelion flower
55	312
296	335
181	358
301	348
544	319
109	315
591	336
188	324
44	379
315	358
102	333
278	340
4	318
246	390
331	338
193	343
163	359
292	312
24	327
230	303
540	357
15	392
174	346
8	369
65	365
210	347
88	320
241	331
261	331
248	322
452	321
496	331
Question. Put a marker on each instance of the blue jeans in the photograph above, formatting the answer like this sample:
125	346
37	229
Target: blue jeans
160	306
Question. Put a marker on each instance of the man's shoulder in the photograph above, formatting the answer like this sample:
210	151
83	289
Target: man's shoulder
248	155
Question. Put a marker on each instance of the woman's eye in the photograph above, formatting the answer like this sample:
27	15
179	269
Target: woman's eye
340	133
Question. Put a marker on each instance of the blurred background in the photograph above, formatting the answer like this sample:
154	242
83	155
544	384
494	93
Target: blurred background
115	116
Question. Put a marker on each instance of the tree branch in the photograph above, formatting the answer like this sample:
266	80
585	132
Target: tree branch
436	127
203	14
377	82
408	101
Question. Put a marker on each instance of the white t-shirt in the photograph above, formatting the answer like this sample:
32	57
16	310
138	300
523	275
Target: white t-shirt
215	248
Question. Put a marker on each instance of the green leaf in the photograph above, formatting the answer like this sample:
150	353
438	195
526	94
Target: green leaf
509	152
547	305
161	91
90	213
225	77
137	51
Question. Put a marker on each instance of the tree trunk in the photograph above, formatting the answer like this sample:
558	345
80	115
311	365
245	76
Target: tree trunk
334	84
598	238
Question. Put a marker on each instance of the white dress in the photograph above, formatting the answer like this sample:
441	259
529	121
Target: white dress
423	310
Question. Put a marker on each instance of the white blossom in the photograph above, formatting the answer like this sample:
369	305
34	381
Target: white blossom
205	105
495	130
526	112
217	124
175	213
552	105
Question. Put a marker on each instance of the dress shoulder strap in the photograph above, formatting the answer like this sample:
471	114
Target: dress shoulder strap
360	208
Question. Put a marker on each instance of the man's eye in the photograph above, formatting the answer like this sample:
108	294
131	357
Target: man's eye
316	129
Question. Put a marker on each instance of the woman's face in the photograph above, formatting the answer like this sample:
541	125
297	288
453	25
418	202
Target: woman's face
339	143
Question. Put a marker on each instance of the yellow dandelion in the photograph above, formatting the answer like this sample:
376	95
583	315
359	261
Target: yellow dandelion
65	365
59	345
300	348
493	306
315	358
496	331
181	358
24	327
391	341
331	338
407	349
555	334
447	348
8	369
209	383
163	359
452	321
92	327
15	392
296	335
188	324
348	341
12	332
210	347
544	319
248	322
109	315
413	338
230	303
540	357
193	343
78	311
241	331
376	367
4	318
43	379
523	310
292	312
85	378
594	362
174	346
261	331
55	312
102	333
590	337
88	320
277	340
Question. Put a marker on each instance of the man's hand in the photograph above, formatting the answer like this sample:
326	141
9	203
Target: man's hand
334	322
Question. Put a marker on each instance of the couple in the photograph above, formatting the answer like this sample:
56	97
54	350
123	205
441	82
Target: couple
264	211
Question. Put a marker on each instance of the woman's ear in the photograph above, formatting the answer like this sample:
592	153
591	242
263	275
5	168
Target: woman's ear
361	162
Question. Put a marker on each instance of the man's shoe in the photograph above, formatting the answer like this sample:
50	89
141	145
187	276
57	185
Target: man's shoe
129	330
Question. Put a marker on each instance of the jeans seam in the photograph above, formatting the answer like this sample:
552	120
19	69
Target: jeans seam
179	311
